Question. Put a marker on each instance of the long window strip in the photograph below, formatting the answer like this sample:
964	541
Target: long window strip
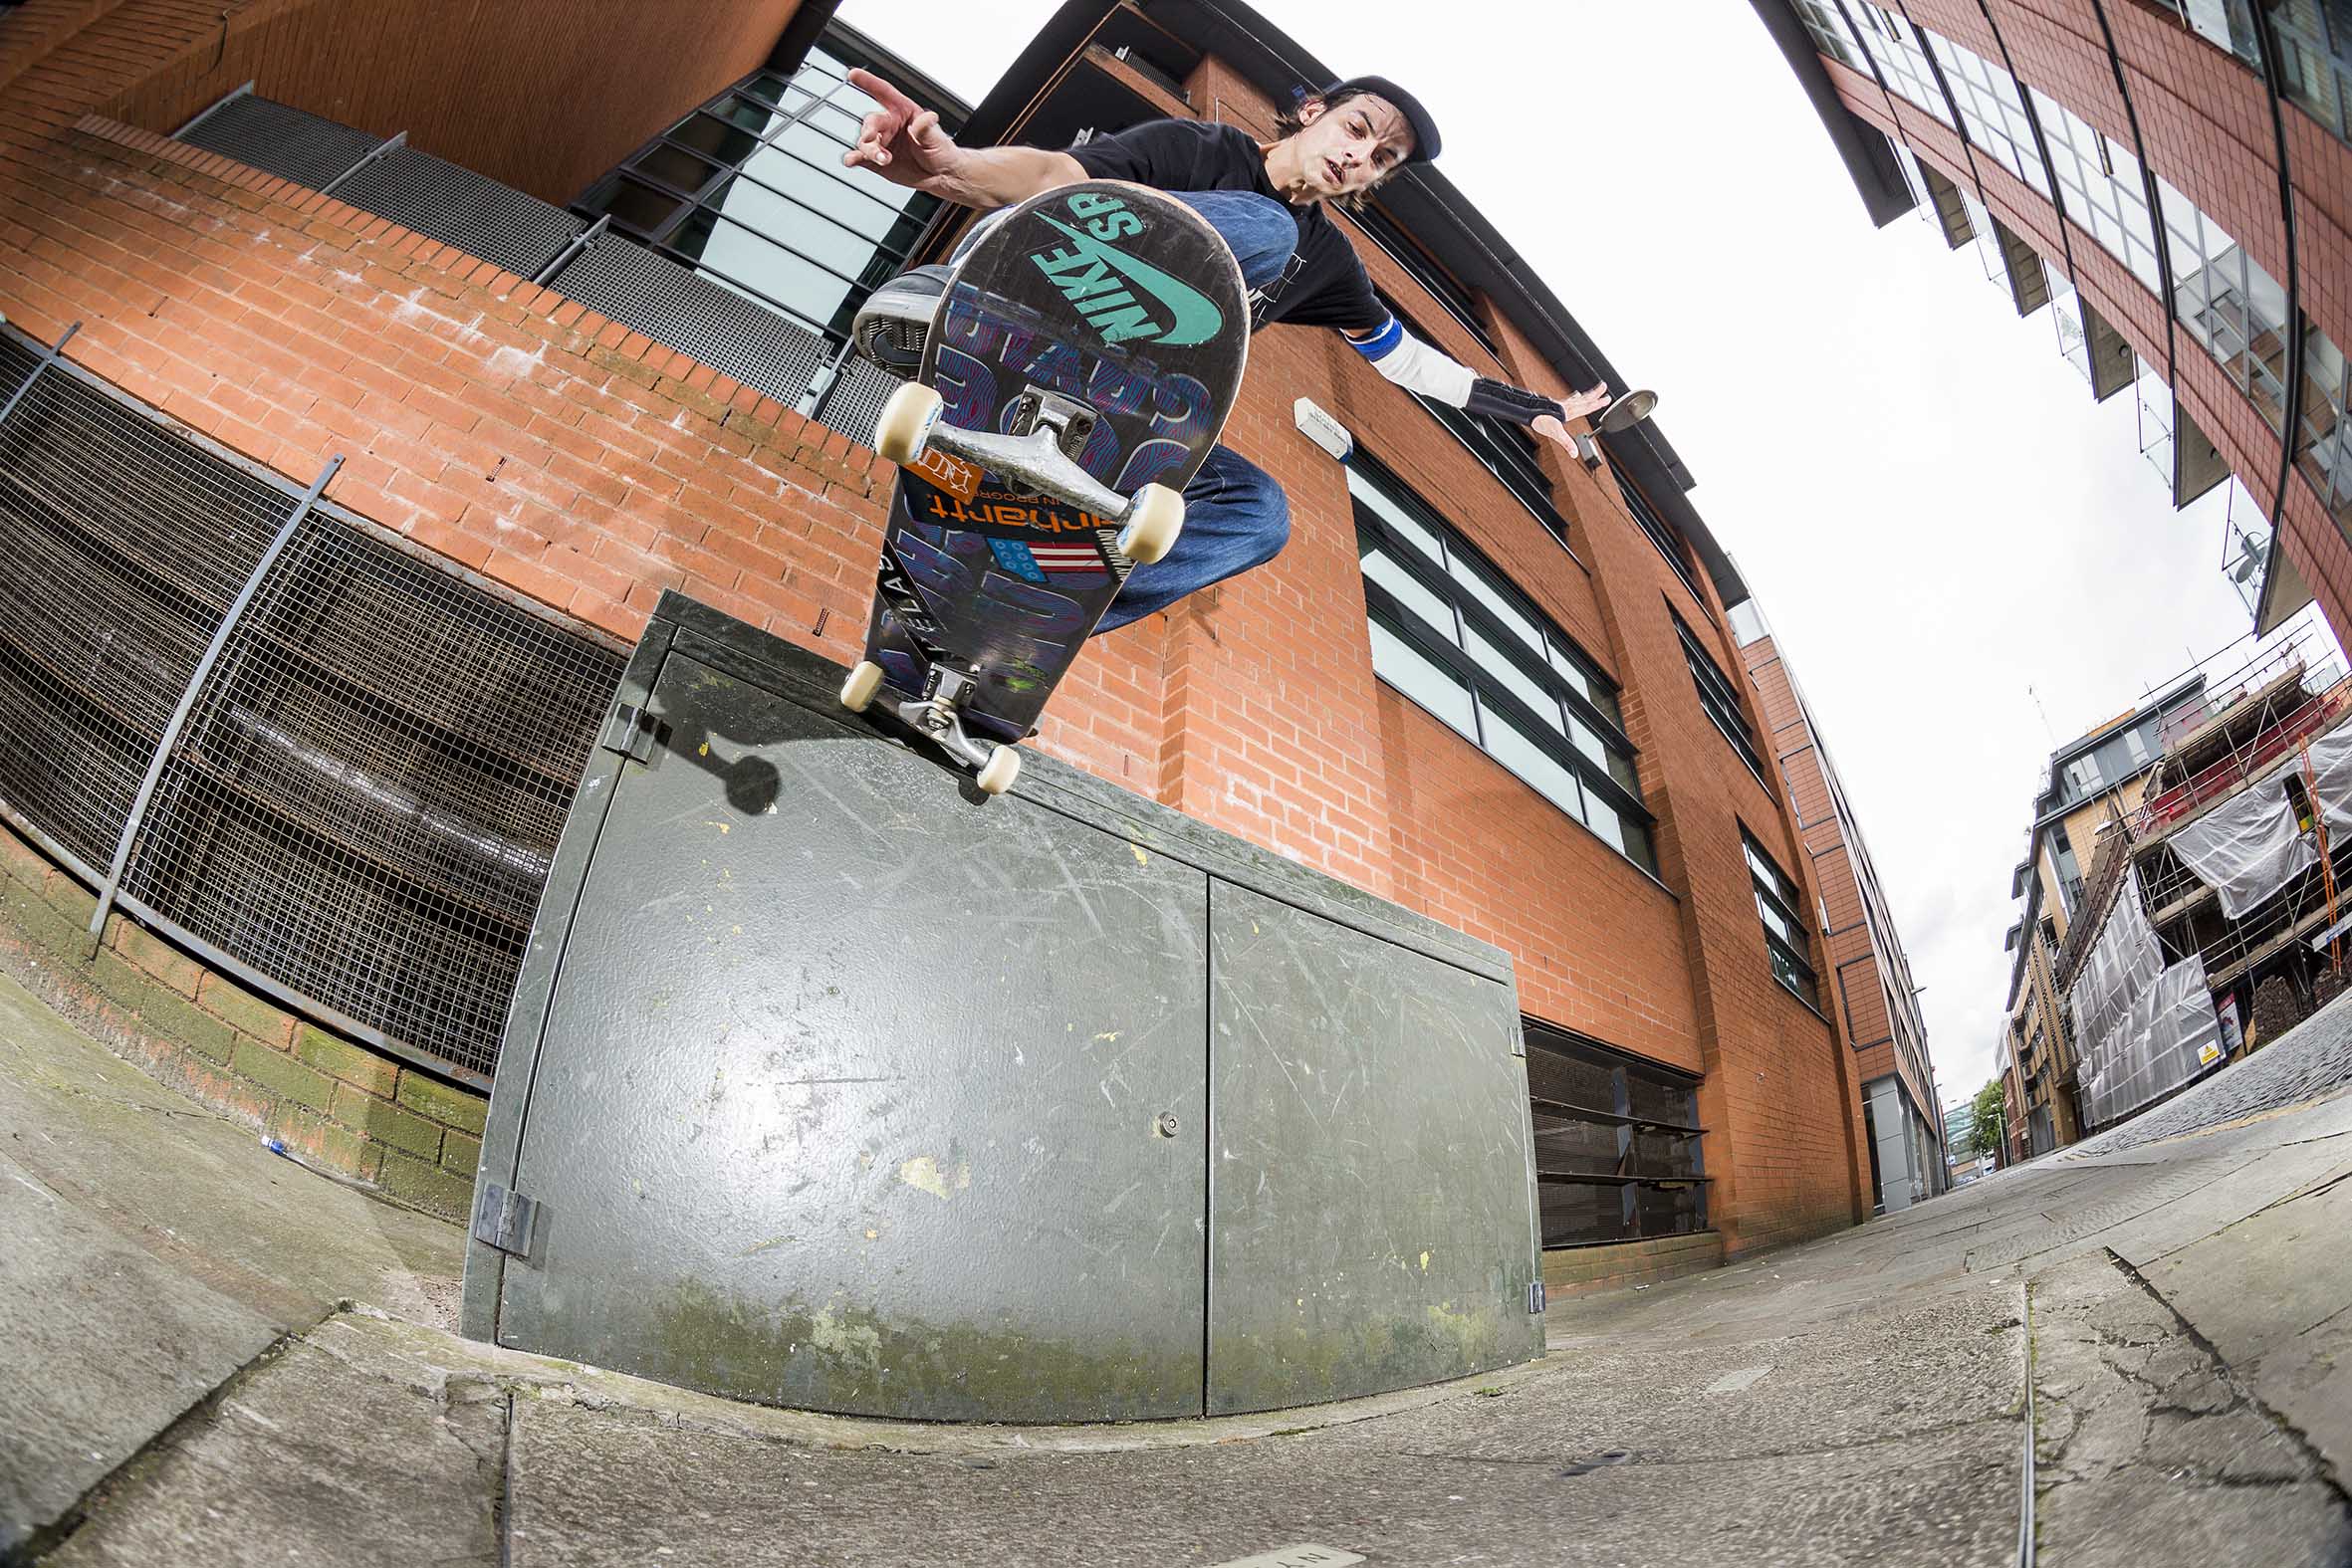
1436	640
2323	448
1903	62
1995	115
2112	212
1719	697
1659	531
1436	553
2316	63
1829	33
2229	303
1776	901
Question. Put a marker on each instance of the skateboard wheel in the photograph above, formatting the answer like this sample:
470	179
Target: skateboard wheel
859	688
1004	765
1154	518
907	418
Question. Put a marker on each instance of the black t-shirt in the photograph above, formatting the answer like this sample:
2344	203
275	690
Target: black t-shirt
1327	286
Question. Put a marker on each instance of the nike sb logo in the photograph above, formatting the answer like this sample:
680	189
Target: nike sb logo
1120	296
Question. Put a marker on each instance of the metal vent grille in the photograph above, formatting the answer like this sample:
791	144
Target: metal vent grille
128	546
361	808
306	149
673	305
857	400
459	207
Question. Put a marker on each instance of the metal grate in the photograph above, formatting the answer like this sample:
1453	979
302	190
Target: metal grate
370	788
673	305
363	805
306	149
459	207
855	401
128	546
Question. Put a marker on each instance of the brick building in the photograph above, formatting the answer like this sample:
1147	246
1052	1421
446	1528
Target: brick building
575	341
2171	178
1872	999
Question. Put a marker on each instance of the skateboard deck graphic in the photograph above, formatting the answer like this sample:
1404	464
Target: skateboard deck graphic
1103	320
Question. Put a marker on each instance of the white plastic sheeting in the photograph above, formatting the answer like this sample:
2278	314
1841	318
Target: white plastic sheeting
2247	848
2143	1028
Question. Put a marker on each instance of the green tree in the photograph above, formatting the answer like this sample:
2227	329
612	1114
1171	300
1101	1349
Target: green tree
1991	1129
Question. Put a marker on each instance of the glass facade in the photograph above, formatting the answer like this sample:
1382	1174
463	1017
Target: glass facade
2315	39
1617	1142
2229	303
2323	445
1990	110
1777	904
1448	631
1830	31
2100	189
1719	698
1901	58
750	191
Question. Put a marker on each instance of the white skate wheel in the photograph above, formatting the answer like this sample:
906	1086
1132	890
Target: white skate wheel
907	421
859	688
1004	765
1154	518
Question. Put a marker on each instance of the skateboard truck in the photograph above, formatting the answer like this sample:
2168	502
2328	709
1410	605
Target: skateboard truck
936	714
1151	518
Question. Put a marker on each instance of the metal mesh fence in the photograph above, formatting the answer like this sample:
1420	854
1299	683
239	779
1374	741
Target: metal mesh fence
371	786
459	207
672	304
857	400
292	144
128	546
363	805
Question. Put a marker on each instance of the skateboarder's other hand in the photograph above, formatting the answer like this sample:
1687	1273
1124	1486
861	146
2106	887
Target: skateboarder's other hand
901	140
1575	407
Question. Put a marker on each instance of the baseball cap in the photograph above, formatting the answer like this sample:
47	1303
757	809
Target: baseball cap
1425	138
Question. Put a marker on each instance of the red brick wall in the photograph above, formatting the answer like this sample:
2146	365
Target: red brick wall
567	458
539	94
2207	125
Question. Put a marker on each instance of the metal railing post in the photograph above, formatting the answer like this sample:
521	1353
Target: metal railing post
373	154
572	248
187	699
219	104
49	357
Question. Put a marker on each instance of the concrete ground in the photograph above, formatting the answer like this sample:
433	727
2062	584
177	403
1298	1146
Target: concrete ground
215	1355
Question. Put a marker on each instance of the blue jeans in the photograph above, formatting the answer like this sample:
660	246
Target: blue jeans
1235	515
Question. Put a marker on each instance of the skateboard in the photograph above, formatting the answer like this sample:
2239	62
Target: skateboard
1077	371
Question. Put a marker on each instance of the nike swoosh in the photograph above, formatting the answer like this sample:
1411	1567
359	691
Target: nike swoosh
1197	319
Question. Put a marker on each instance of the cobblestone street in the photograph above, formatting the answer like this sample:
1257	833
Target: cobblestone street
2312	1059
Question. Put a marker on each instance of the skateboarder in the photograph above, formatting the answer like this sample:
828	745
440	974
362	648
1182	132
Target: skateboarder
1266	200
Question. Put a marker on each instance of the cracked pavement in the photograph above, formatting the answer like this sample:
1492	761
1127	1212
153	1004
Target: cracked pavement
218	1357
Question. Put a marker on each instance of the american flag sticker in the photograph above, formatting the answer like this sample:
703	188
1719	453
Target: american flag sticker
1068	557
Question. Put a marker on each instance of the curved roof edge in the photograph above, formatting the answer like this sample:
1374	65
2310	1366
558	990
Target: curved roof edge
1421	198
1864	149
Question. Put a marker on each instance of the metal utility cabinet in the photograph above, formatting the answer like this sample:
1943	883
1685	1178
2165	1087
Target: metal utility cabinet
831	1084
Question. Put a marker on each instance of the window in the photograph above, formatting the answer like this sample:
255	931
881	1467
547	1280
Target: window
1830	31
1618	1142
1991	109
749	190
2099	187
2066	868
1450	633
2229	303
2314	57
1452	297
1776	902
1719	698
2323	445
1901	61
1661	534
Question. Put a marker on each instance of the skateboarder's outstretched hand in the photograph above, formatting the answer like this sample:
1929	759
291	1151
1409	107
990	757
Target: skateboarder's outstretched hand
1574	406
902	141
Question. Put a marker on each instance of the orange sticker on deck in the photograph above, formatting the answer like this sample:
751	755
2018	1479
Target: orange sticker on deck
949	472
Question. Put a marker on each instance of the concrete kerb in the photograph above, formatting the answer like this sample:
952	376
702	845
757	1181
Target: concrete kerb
370	1339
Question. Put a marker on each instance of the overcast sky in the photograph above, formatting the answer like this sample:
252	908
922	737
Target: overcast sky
1942	527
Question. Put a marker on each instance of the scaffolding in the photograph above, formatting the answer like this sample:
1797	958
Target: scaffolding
2220	884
